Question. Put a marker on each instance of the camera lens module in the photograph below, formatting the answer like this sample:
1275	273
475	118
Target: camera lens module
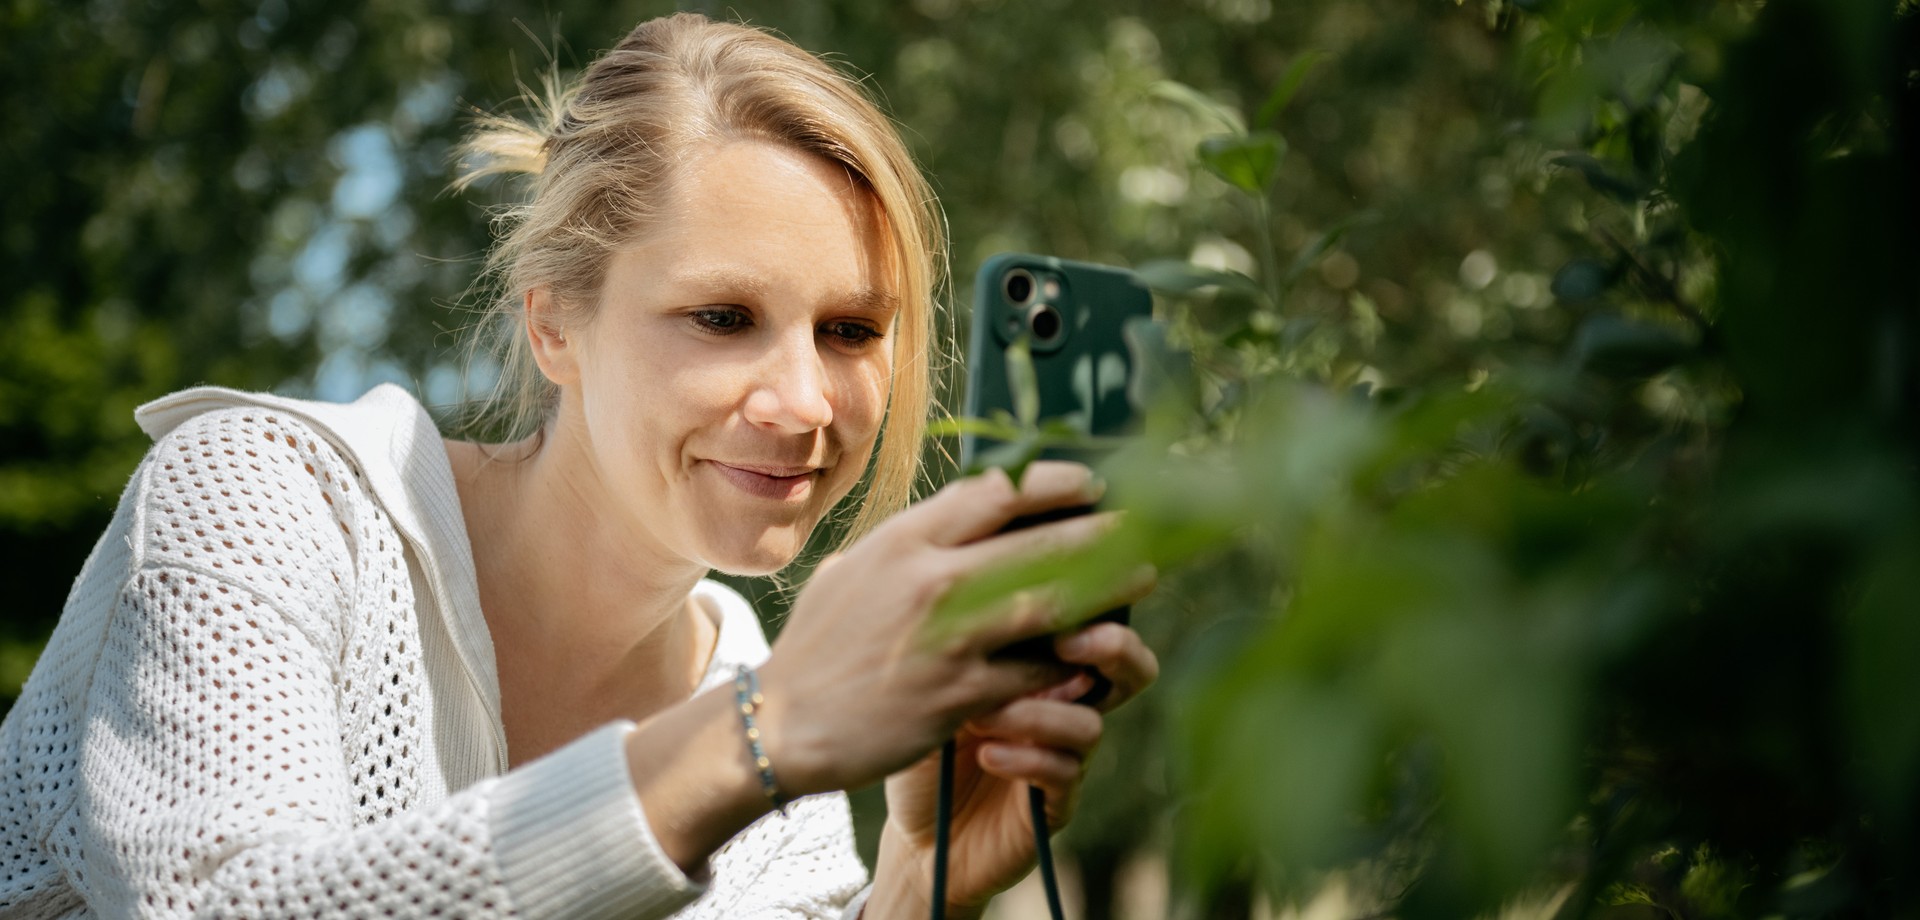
1045	322
1018	285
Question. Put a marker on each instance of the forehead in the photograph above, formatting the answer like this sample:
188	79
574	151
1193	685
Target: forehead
772	217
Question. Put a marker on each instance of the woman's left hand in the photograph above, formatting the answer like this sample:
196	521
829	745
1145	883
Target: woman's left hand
1042	740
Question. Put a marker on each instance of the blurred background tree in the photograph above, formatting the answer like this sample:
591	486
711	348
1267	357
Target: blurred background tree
1546	495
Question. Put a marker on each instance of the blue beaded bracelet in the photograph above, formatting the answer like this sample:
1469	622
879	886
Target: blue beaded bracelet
746	695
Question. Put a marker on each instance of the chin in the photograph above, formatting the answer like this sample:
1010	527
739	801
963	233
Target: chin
759	568
751	558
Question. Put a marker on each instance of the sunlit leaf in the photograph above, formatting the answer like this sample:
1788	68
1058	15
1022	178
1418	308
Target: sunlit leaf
1080	582
1247	162
1290	80
954	426
1175	276
1199	103
1714	885
1023	383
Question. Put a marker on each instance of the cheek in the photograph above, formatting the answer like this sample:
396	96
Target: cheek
653	396
866	388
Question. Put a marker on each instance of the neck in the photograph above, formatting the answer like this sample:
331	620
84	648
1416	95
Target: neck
590	620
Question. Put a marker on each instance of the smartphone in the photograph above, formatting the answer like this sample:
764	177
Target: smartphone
1077	320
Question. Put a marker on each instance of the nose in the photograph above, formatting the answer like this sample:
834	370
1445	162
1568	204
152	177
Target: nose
790	392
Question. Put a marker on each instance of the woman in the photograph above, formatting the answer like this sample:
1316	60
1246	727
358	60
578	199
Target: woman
324	663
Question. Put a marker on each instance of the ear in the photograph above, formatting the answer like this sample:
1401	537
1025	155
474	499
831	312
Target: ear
558	358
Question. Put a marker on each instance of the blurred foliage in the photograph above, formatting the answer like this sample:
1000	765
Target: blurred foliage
1543	511
1610	591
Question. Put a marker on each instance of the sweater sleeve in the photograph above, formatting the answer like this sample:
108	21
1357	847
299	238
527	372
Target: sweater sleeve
809	870
239	727
211	783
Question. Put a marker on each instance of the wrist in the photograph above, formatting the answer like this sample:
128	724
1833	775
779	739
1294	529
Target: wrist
748	701
696	778
798	761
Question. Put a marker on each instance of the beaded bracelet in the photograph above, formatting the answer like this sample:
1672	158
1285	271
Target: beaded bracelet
746	694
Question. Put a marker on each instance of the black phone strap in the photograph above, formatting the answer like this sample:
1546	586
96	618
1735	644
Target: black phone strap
1036	809
943	832
1036	800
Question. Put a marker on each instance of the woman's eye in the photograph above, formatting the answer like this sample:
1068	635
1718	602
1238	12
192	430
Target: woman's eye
855	334
720	322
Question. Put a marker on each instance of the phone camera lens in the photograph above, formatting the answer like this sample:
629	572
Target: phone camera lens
1018	285
1045	322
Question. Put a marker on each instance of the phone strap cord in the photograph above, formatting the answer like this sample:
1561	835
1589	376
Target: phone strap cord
1037	804
943	831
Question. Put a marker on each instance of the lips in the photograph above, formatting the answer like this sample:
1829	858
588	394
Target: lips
777	483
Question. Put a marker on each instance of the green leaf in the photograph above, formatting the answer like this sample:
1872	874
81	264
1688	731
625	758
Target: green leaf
1320	245
1012	456
1081	582
1199	103
1880	682
1175	276
1248	162
998	429
1290	81
1023	383
1600	177
1065	429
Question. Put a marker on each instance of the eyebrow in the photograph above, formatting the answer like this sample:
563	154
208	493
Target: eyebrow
870	300
860	300
726	278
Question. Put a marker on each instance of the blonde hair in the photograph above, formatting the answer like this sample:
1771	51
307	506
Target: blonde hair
602	155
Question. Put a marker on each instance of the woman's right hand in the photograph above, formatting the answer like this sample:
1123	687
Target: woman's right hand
855	690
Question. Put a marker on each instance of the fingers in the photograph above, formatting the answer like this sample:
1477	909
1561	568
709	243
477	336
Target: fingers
1070	691
1057	774
999	681
1044	743
1044	611
1036	542
1055	724
978	506
1118	653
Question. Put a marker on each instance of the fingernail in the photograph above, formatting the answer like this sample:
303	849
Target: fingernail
1096	487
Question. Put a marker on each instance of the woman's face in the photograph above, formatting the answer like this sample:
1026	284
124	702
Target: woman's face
731	383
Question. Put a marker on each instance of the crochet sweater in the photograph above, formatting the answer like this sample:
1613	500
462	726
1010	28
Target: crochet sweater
272	694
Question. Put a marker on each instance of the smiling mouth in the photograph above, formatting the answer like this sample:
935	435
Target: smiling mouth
778	483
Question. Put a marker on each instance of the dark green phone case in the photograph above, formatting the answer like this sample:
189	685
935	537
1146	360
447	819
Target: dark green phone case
1085	372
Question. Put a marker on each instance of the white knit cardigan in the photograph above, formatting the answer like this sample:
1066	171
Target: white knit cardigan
272	694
